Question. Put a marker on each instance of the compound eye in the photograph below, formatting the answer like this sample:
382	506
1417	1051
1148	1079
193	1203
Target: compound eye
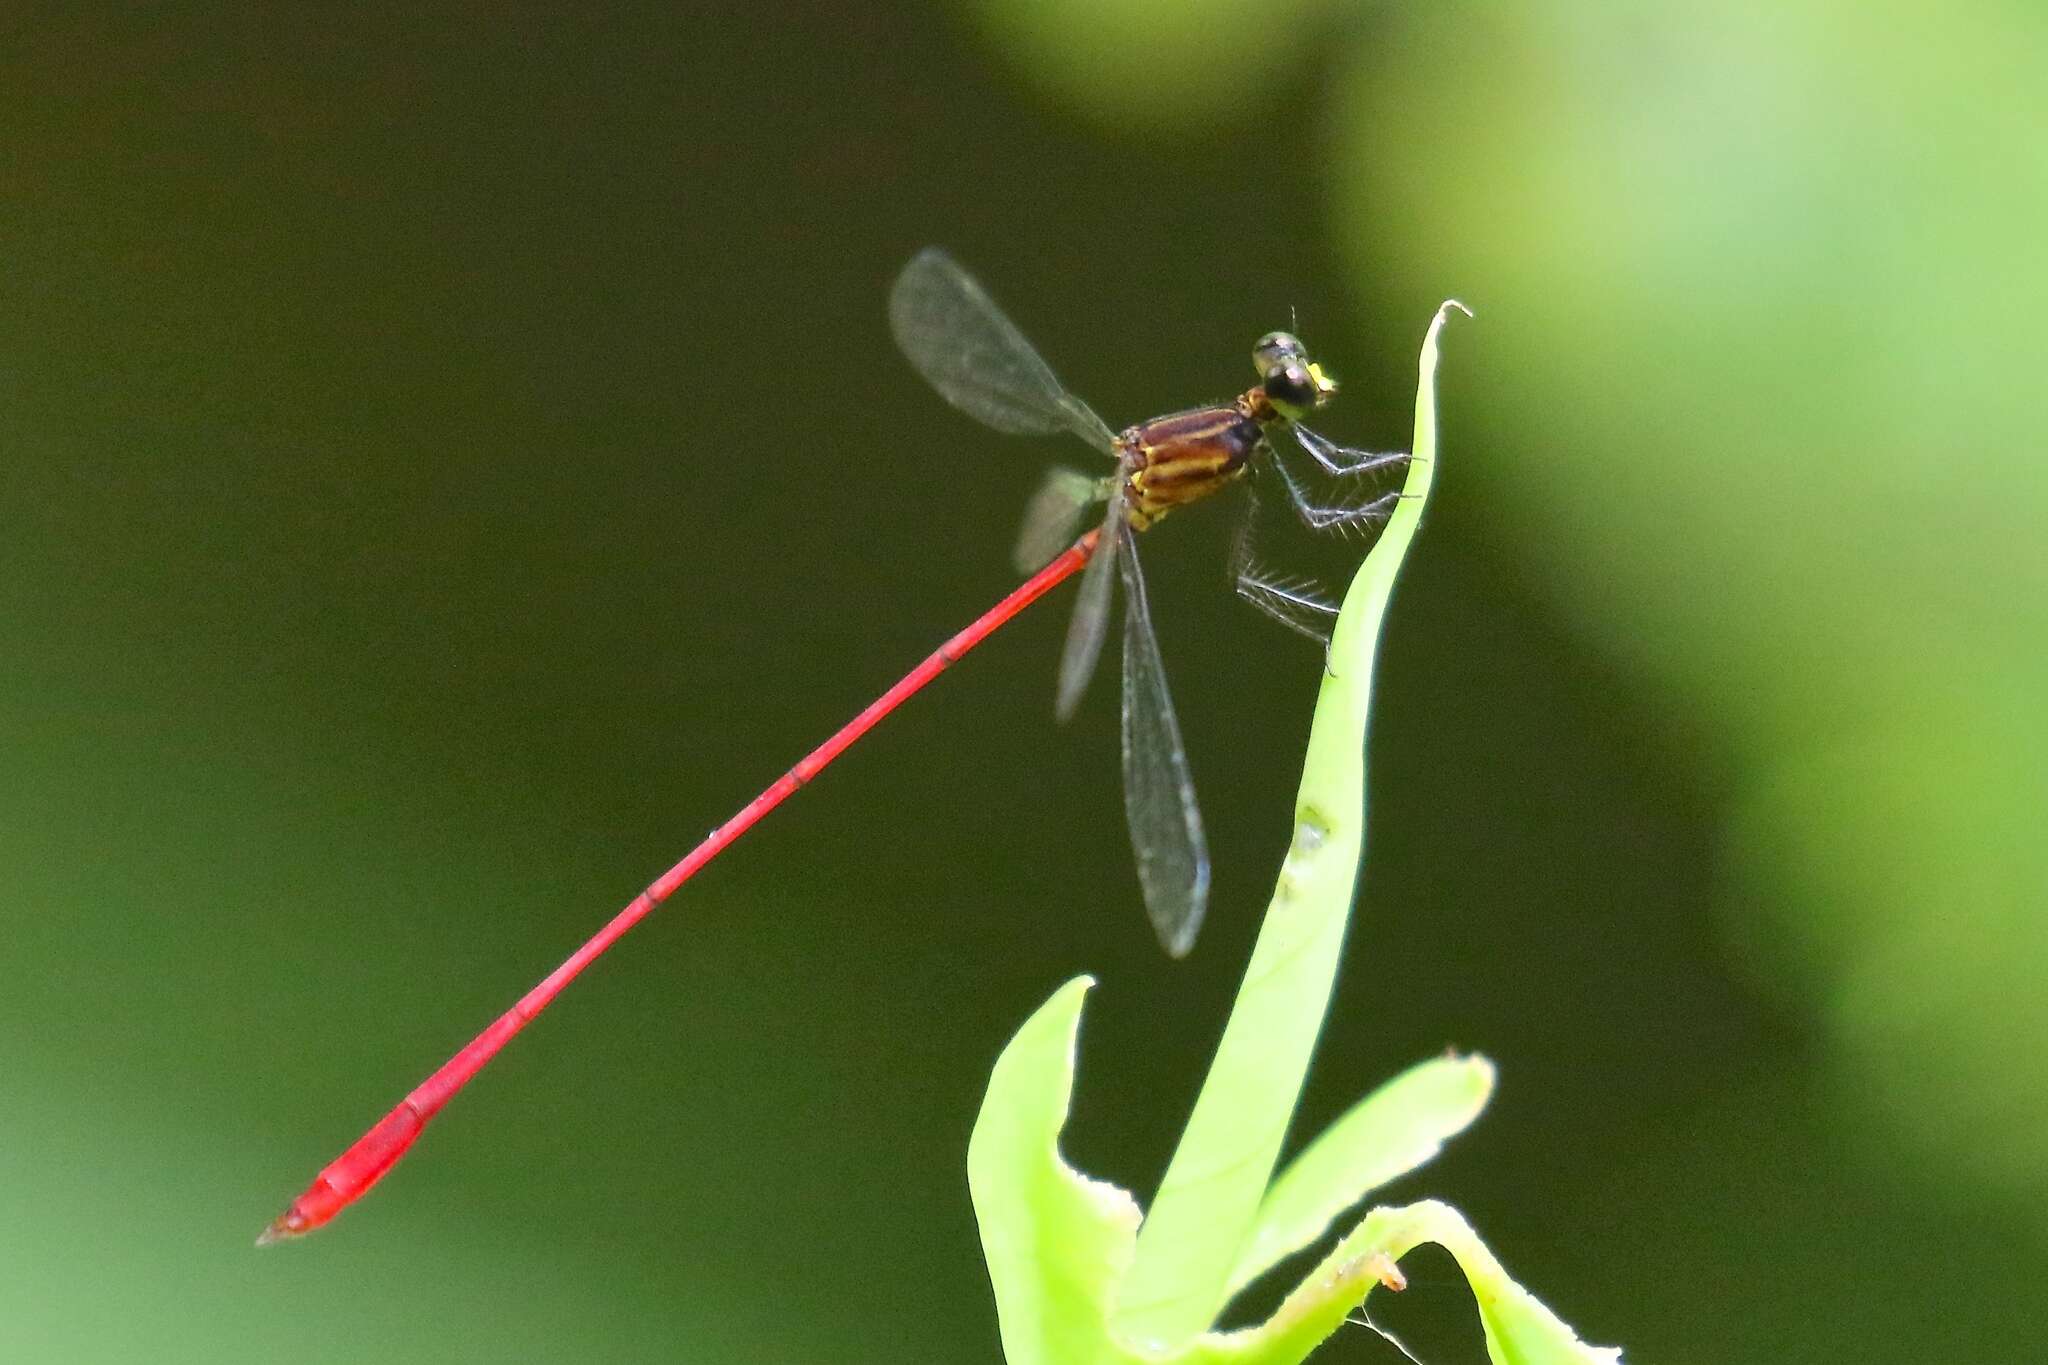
1275	349
1291	388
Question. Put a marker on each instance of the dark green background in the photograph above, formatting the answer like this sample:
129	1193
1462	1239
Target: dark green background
450	459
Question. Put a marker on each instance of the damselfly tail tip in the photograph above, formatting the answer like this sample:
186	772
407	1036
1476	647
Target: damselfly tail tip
288	1226
296	1221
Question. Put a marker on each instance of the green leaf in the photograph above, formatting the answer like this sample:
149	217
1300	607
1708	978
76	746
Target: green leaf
1519	1329
1385	1135
1057	1242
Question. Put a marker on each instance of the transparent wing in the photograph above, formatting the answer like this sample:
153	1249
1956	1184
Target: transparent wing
1052	515
1091	611
961	342
1159	792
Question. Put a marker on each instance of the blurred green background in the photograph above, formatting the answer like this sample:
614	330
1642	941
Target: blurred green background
450	458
